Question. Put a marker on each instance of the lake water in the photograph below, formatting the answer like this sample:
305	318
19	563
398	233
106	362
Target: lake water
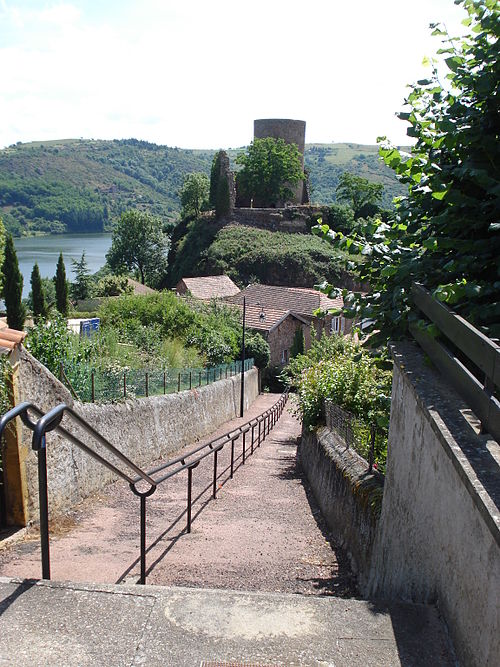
45	250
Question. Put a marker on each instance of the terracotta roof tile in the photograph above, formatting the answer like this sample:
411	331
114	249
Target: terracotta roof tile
139	288
272	317
300	300
9	338
208	287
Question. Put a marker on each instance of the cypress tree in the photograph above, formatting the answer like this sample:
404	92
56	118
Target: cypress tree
214	180
299	343
13	287
38	295
61	287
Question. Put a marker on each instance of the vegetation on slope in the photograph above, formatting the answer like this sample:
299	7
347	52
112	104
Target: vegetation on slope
200	247
82	185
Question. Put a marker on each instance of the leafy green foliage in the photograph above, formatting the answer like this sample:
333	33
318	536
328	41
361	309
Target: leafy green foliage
269	167
298	343
112	285
62	303
194	194
360	194
12	286
81	286
39	305
257	347
249	255
445	234
139	244
337	368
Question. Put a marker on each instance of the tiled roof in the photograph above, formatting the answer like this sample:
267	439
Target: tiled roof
9	338
139	288
300	300
209	287
272	317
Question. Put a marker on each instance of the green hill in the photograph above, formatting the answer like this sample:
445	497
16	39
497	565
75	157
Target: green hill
77	185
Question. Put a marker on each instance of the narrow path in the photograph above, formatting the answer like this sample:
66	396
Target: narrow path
264	532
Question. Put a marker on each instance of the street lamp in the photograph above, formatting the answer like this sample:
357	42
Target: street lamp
243	360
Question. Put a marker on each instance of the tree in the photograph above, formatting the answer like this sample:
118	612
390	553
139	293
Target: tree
298	344
360	194
214	179
139	244
12	286
446	232
257	347
39	305
81	286
61	284
194	193
270	168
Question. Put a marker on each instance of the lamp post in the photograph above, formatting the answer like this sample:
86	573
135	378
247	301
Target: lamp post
243	360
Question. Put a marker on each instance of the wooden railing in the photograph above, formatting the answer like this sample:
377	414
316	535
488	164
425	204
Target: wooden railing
476	382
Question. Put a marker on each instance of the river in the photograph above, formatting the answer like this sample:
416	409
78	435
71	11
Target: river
45	250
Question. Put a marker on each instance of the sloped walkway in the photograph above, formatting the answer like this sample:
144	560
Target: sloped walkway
264	532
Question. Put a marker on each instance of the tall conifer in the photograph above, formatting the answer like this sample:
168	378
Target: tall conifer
38	295
61	287
13	287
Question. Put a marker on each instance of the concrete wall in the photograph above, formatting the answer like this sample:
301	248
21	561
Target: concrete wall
349	496
439	531
144	429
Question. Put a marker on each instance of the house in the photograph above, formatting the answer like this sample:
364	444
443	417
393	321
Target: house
207	287
278	327
277	312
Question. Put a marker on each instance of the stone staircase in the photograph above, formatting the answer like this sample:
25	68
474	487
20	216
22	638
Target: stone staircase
54	624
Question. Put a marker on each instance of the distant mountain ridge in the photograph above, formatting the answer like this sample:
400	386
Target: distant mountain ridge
79	186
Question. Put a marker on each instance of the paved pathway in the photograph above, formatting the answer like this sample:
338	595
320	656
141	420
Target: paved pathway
263	533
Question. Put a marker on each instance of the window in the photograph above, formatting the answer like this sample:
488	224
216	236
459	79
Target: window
284	356
337	325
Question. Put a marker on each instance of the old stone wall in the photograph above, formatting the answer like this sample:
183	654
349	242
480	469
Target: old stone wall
439	532
349	496
144	429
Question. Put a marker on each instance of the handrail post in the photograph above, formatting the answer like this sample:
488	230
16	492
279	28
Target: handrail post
124	385
164	382
190	379
142	579
251	445
189	499
214	489
258	440
199	379
244	446
147	384
178	383
43	502
232	457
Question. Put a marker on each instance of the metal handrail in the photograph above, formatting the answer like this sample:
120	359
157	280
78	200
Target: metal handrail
51	422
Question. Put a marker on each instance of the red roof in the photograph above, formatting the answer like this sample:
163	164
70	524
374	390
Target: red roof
299	300
266	319
9	338
208	287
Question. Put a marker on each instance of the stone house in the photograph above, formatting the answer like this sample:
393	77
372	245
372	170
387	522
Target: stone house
277	312
207	287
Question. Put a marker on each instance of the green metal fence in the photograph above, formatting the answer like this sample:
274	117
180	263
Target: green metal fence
93	384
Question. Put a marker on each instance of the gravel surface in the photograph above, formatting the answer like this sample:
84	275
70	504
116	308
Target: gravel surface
264	532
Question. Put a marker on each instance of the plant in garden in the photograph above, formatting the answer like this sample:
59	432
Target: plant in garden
446	232
80	288
62	303
39	305
12	286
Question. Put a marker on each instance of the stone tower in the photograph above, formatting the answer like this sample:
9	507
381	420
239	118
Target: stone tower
292	132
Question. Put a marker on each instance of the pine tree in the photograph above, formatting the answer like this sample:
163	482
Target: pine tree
81	287
13	287
61	287
40	309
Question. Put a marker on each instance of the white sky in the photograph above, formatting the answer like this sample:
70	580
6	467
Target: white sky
195	73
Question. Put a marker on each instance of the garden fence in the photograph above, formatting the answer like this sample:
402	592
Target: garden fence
366	439
89	384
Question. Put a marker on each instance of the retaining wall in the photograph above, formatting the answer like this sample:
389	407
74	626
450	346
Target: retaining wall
348	495
144	429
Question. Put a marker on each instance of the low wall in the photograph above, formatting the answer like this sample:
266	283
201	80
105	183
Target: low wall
439	532
144	429
348	495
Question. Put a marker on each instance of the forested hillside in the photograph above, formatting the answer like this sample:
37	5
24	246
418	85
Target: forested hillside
78	185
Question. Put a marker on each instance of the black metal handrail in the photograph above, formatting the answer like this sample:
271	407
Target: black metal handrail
189	461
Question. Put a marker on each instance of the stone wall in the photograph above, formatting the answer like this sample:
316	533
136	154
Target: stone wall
349	496
439	531
144	429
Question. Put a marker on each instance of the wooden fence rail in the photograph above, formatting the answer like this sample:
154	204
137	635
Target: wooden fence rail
476	387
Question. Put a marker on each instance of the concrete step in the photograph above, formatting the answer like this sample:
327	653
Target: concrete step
70	624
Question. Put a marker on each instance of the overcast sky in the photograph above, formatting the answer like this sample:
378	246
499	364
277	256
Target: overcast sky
195	73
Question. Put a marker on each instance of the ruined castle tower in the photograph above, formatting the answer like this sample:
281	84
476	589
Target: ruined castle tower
292	132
